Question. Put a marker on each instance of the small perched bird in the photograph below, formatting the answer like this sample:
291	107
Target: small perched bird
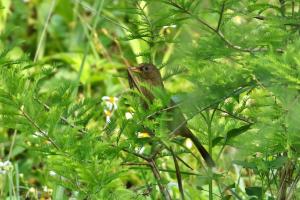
149	74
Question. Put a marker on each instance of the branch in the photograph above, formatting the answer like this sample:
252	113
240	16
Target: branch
234	116
174	171
135	154
157	176
259	17
282	7
293	187
151	163
293	7
159	111
63	119
135	164
178	174
43	133
221	15
219	33
172	133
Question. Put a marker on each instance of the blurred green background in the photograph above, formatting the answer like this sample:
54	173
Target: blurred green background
235	61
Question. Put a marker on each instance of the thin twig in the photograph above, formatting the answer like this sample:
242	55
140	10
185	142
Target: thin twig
172	133
135	164
178	174
293	7
234	116
87	47
219	33
94	12
157	176
183	162
160	111
44	30
155	171
119	47
134	80
293	187
63	119
285	176
135	154
43	133
259	17
173	171
221	15
12	144
282	7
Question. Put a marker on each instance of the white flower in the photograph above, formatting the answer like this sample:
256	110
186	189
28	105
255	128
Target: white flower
238	20
45	188
32	190
111	102
188	143
170	26
28	143
228	100
2	164
40	134
108	115
140	150
52	173
172	184
110	106
48	190
5	167
224	114
128	115
250	102
74	195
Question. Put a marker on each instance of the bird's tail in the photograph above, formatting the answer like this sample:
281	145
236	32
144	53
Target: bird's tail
207	158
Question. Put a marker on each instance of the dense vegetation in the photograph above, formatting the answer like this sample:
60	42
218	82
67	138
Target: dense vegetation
71	127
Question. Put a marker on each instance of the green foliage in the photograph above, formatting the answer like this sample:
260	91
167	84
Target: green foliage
70	127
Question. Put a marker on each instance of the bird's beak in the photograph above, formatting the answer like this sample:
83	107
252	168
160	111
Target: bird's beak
135	69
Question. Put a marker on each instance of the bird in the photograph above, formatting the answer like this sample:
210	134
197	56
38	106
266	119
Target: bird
148	74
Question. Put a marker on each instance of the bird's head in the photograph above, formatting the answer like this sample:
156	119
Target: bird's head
148	73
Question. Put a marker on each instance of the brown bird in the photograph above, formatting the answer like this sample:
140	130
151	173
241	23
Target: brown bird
149	75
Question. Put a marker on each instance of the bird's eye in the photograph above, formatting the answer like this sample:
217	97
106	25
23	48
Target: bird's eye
146	68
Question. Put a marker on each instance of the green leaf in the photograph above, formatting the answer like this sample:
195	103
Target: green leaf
245	164
278	162
217	140
237	131
254	191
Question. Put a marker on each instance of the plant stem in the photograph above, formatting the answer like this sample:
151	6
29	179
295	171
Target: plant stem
178	174
208	124
43	34
87	47
210	138
12	145
34	124
221	16
157	176
210	152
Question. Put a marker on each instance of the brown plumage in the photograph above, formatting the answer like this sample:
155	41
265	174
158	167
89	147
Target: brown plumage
150	75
